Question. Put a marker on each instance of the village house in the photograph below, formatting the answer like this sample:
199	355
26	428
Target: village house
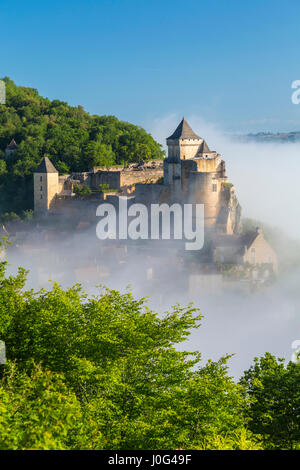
251	248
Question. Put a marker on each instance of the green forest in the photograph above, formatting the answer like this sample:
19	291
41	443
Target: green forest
73	139
106	372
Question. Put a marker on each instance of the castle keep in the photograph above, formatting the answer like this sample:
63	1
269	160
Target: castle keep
197	174
191	173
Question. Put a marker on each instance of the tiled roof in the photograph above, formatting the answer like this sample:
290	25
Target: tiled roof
235	240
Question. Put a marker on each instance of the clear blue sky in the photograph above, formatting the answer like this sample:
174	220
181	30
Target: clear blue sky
229	61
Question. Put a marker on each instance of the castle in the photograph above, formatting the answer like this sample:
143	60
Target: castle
196	174
191	173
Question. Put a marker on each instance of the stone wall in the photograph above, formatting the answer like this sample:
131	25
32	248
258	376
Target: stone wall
189	148
172	172
205	188
117	179
83	176
131	177
112	178
151	193
229	218
62	182
260	252
183	149
208	164
77	208
46	187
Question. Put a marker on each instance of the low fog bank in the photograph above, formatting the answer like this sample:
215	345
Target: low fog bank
264	178
248	326
236	321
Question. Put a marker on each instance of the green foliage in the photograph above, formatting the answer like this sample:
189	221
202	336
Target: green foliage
227	185
110	375
10	217
274	393
26	216
84	190
37	410
106	372
70	137
242	439
98	154
3	169
104	188
62	168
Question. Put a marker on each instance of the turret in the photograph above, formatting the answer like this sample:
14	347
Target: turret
11	148
45	186
184	144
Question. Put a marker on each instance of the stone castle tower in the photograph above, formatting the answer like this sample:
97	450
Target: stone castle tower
45	181
195	174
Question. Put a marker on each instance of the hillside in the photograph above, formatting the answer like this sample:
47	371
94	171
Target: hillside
73	139
268	137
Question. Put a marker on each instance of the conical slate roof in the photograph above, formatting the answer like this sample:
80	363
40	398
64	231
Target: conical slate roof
183	131
204	148
46	167
12	145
